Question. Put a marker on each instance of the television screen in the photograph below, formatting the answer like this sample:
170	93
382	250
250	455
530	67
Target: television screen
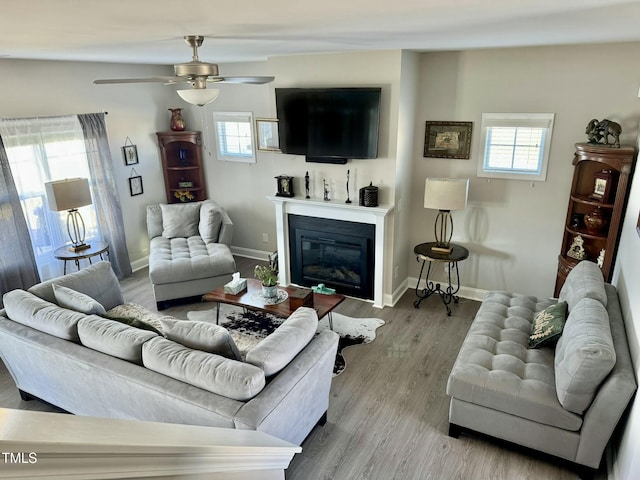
326	123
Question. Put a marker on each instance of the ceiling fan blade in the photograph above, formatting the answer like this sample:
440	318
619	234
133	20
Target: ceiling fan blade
252	80
140	80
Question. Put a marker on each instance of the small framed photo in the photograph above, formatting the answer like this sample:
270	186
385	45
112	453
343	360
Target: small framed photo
267	132
130	154
602	186
447	139
135	185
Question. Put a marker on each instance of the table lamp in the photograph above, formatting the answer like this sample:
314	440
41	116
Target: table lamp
444	195
70	194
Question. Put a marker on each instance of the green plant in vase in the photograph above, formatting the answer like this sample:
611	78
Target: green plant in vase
268	275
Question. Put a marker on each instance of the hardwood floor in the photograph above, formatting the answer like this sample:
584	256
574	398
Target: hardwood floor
388	411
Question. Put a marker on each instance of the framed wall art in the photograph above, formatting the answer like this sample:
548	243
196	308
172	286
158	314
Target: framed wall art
129	152
135	186
447	139
267	132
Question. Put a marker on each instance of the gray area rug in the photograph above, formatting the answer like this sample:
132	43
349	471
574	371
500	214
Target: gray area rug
248	327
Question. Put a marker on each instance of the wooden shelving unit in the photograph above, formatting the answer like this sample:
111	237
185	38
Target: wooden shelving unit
589	160
181	154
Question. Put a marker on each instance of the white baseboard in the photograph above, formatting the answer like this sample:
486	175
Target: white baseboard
251	253
391	300
140	263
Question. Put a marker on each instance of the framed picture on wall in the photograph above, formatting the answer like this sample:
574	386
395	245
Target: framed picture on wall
130	154
135	185
447	139
267	132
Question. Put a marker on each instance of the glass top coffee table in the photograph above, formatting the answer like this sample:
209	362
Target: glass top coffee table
253	300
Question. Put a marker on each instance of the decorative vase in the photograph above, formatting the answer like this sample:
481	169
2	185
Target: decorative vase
177	122
596	221
270	291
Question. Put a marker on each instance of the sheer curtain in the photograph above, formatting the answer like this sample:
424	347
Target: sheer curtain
40	150
105	194
17	263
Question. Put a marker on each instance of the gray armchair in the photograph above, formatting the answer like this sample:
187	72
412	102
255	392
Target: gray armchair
189	251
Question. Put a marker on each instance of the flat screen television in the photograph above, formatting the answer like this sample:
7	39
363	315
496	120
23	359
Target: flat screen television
329	125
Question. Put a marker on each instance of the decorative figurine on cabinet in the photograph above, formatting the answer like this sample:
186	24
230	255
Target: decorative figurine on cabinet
325	188
306	185
601	130
576	250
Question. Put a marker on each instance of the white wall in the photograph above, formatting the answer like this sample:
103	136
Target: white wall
137	111
627	279
513	228
242	188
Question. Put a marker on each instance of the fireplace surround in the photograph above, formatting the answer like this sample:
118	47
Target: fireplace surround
375	216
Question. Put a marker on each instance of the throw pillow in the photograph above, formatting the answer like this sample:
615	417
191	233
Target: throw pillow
134	322
210	222
201	336
180	220
73	300
128	312
547	325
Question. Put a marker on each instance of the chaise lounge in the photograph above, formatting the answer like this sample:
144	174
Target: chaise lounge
563	400
189	251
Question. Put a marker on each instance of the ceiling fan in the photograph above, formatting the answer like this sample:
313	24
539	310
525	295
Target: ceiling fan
195	72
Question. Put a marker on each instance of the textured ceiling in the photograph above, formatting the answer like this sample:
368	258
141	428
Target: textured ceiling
151	31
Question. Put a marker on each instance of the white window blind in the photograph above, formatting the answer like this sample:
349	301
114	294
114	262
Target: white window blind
515	146
234	136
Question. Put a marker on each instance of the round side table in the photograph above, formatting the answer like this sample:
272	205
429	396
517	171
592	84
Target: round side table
425	255
96	249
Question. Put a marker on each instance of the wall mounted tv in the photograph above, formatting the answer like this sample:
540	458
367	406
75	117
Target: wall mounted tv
329	125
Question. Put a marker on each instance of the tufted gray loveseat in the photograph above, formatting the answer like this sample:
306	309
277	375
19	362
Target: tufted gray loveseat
189	251
564	400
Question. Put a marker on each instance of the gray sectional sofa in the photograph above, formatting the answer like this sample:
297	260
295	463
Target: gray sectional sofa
563	400
85	363
189	251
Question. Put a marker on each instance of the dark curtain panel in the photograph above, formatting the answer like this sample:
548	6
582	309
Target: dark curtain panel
105	193
17	262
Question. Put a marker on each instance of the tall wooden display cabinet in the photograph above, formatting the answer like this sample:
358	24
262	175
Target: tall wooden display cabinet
181	154
596	207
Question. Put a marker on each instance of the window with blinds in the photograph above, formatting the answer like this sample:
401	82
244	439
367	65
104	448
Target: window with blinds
234	136
515	145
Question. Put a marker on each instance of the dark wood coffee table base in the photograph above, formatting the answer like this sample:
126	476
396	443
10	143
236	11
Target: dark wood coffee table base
323	304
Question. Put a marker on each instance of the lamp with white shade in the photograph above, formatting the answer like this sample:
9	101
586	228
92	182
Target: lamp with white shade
445	195
70	194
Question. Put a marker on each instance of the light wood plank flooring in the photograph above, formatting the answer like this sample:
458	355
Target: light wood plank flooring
388	411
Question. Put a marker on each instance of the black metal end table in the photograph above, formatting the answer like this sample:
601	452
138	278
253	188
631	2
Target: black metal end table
97	249
425	255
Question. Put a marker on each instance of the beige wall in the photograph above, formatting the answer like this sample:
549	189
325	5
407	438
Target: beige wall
514	228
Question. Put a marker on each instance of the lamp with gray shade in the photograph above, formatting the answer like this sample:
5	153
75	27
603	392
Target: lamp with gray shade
70	194
444	195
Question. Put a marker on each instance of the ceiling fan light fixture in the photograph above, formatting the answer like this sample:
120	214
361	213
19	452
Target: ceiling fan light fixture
199	96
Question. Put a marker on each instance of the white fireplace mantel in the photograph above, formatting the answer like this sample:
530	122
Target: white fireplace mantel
337	211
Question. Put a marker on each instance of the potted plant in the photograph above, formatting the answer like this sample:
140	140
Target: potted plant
268	275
